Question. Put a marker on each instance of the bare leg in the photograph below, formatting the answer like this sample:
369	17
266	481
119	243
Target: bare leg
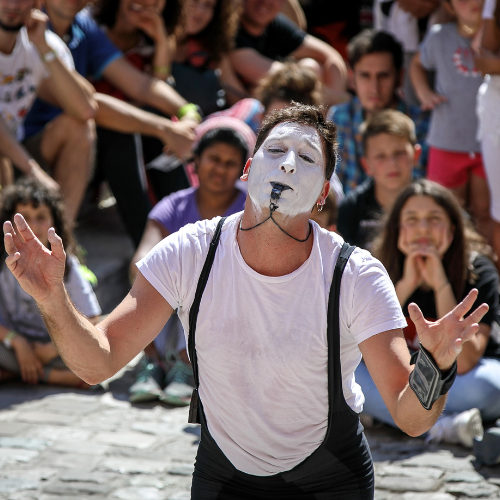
45	352
479	203
65	378
68	146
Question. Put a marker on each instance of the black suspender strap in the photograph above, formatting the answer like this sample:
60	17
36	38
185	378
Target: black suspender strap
193	316
333	331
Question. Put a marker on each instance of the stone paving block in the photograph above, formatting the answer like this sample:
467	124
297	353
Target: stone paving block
75	489
130	439
86	477
13	428
55	433
442	459
84	447
181	495
8	485
12	455
24	443
181	469
464	476
125	465
64	461
46	417
426	496
136	493
405	471
468	490
396	483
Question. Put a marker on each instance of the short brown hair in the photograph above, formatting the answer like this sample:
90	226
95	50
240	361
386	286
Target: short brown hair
313	116
388	121
292	82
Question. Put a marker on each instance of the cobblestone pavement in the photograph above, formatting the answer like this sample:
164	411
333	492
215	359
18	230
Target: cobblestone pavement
58	444
61	444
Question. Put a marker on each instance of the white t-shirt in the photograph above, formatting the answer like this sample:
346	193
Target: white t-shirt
21	72
261	340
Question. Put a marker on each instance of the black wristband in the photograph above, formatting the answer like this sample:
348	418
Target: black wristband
427	381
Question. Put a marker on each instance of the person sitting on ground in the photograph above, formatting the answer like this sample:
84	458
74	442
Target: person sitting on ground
203	42
375	66
118	159
390	152
222	147
276	327
266	38
26	350
434	257
455	159
35	62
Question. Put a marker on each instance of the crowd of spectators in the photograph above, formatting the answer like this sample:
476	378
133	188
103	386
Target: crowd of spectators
160	100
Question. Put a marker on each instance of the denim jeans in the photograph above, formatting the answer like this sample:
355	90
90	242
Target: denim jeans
478	388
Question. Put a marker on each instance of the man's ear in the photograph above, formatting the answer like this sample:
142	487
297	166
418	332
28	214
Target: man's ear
246	169
324	192
366	166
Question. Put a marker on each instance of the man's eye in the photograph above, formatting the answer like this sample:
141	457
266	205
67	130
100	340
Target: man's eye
307	158
275	150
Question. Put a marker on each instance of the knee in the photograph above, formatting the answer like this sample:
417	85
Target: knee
82	133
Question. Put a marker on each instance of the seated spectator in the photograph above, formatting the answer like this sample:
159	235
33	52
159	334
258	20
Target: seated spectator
201	67
390	154
118	160
455	159
26	350
222	149
375	60
266	38
434	258
408	21
35	62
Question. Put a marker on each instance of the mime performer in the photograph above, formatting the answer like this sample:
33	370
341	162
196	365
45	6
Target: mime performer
274	347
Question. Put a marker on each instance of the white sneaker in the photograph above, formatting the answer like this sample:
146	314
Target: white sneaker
460	428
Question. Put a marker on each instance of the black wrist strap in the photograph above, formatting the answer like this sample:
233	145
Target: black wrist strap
427	381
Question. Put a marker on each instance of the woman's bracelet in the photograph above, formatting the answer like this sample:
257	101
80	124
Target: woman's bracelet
162	71
7	340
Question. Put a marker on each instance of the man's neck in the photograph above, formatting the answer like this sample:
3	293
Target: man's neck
252	28
267	249
59	25
385	197
7	41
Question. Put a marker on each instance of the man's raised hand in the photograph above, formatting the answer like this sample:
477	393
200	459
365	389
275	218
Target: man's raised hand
38	270
445	337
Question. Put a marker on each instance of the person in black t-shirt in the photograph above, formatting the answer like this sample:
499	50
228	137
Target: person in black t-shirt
267	37
390	153
434	258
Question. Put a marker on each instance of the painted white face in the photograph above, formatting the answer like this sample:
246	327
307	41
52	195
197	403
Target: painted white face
291	155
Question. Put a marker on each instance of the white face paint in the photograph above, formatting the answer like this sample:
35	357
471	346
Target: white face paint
292	155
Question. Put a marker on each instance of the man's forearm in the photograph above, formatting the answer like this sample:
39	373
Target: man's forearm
84	348
411	417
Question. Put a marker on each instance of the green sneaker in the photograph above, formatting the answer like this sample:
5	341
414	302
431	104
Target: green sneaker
146	387
180	385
